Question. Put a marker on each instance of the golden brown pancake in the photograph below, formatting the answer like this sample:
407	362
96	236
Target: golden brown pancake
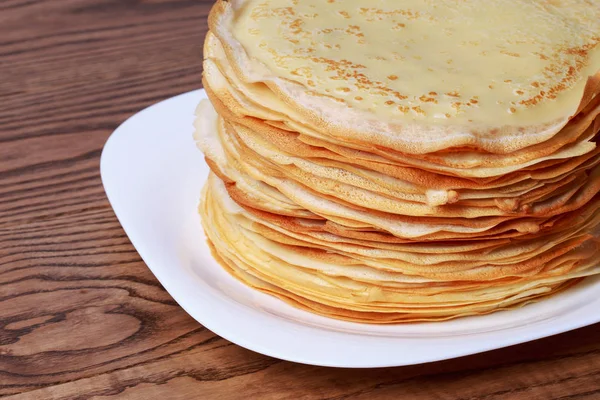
448	170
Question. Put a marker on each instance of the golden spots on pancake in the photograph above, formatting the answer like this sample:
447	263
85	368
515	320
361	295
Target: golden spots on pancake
448	56
373	14
280	61
390	102
568	68
426	99
358	98
353	30
460	106
418	110
392	77
263	11
403	109
340	65
345	70
296	26
343	89
533	100
302	71
583	51
512	110
304	51
509	53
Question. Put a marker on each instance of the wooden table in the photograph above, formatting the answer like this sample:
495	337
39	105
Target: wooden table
81	316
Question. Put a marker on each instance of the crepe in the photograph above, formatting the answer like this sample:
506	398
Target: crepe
386	291
521	50
449	170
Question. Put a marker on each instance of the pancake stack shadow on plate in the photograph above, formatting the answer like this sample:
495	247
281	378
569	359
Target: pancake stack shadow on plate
449	169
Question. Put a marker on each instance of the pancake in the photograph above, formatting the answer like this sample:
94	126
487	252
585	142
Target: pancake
353	285
450	170
557	47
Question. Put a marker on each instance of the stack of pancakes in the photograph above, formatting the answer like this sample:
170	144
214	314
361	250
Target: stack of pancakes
399	161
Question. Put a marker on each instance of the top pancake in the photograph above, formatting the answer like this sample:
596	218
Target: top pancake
420	76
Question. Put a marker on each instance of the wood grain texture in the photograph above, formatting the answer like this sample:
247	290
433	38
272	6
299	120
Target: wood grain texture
81	316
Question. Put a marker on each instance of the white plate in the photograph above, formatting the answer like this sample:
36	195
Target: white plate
152	174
